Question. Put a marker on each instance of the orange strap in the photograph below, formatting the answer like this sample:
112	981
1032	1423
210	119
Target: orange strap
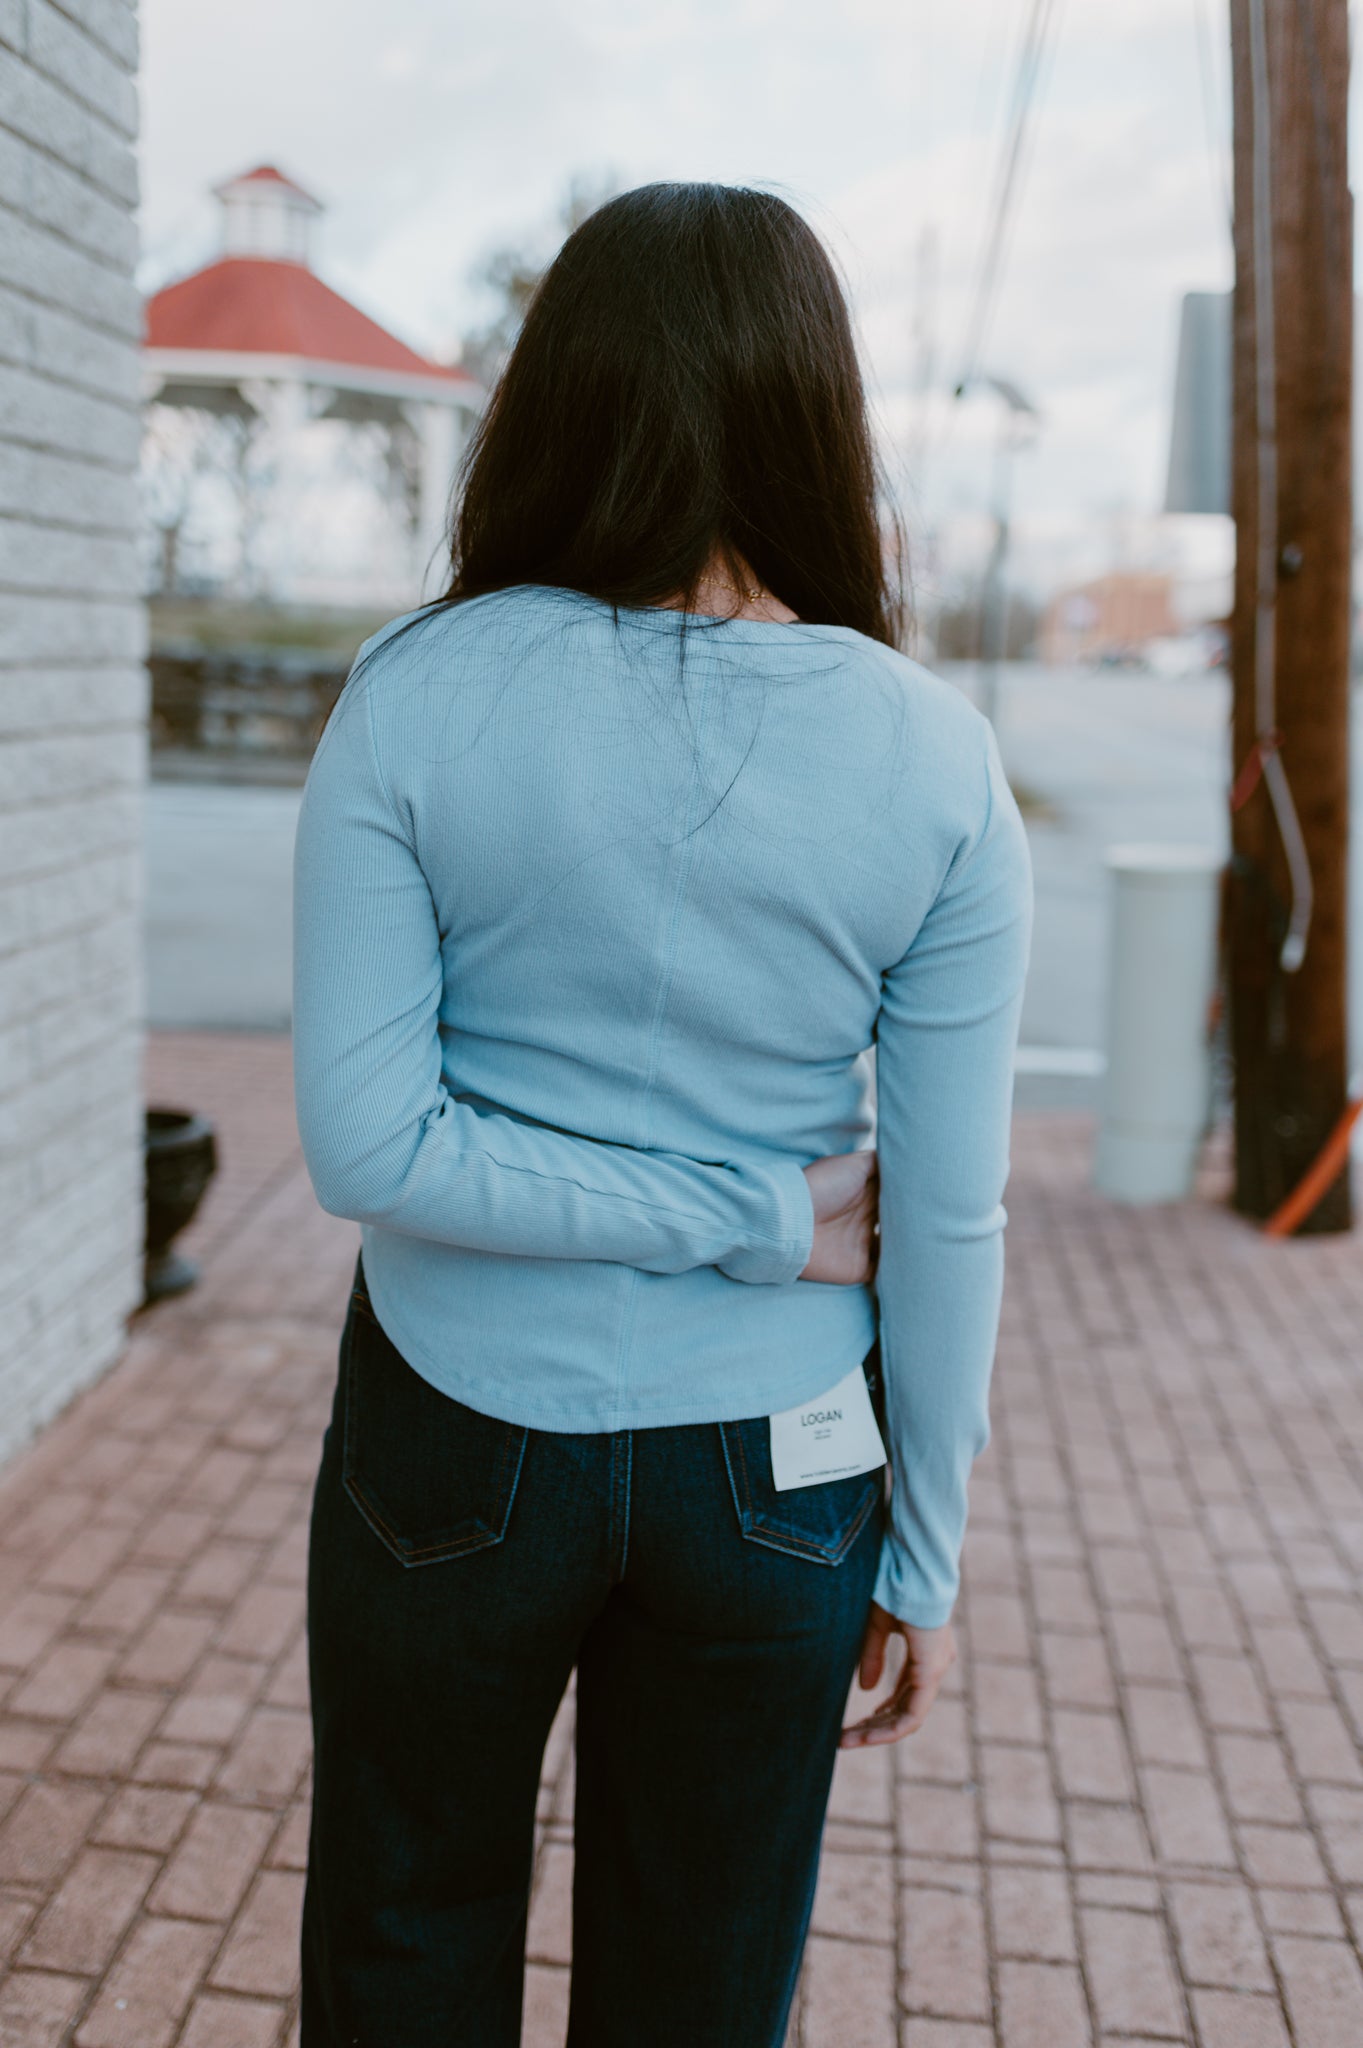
1243	788
1318	1178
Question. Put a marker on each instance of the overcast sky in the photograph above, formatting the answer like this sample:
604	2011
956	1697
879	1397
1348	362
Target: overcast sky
435	130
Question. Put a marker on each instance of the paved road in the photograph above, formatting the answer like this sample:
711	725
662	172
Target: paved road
219	924
1115	756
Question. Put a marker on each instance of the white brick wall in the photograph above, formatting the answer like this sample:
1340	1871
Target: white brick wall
73	703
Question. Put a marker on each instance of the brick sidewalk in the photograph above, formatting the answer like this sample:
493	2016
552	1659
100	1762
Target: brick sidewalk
1138	1816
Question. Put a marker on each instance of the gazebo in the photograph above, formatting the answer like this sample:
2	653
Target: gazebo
297	446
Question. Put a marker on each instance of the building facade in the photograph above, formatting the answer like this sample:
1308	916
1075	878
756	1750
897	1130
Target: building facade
72	704
1113	616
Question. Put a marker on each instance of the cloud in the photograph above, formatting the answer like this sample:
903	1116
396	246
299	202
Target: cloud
435	132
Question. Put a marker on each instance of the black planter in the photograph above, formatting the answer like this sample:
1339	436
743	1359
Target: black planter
182	1158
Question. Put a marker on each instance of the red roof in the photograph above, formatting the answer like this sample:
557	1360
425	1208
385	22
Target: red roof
253	305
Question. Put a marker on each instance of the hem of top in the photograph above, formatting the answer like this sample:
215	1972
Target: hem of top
531	1415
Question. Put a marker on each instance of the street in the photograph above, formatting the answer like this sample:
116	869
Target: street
1105	757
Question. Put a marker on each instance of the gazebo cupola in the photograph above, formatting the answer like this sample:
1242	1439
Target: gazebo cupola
266	214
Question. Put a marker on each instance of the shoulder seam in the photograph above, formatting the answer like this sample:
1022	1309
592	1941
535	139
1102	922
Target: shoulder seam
379	775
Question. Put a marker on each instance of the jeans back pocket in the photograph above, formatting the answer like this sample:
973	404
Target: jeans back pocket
817	1522
433	1478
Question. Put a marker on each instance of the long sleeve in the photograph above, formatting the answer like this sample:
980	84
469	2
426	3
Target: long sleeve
386	1142
946	1039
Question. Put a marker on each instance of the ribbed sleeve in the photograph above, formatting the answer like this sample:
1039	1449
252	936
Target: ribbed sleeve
946	1038
386	1141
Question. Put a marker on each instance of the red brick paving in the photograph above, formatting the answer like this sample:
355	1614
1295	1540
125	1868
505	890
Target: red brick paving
1136	1817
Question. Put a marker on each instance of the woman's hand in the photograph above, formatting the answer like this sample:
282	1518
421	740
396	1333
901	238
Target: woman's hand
931	1652
845	1190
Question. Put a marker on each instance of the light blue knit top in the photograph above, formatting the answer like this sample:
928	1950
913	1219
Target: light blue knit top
594	937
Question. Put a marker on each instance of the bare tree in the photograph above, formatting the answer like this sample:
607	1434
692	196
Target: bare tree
180	448
191	450
512	271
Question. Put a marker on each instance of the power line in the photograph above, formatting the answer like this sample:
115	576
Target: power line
1020	99
1216	151
990	269
1031	55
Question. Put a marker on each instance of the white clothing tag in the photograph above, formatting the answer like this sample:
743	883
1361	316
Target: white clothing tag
833	1437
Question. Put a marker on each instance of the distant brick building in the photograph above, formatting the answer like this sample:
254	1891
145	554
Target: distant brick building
1114	614
72	704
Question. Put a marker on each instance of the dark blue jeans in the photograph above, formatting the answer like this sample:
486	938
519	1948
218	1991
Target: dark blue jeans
460	1567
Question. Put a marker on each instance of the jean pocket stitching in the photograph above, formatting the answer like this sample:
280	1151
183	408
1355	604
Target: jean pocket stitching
743	1464
731	1442
404	1549
790	1541
407	1552
517	1434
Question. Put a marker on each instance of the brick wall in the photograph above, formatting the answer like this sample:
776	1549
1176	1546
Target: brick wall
73	703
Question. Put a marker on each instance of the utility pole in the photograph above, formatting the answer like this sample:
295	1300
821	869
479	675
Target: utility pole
1291	499
1017	422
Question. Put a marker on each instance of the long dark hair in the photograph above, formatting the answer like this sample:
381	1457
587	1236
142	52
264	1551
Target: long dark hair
685	386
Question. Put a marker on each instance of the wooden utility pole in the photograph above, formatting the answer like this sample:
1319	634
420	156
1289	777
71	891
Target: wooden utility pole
1289	1030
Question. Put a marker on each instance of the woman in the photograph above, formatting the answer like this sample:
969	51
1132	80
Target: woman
612	866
